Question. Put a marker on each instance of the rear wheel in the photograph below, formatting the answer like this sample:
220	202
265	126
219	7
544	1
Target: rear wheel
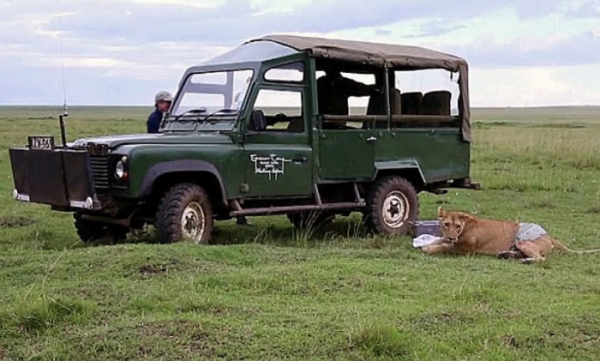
392	205
93	231
185	214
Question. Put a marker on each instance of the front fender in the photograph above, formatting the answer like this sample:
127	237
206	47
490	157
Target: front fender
186	165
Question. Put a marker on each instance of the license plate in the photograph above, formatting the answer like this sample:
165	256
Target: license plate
41	143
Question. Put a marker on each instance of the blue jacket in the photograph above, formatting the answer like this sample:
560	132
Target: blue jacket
154	120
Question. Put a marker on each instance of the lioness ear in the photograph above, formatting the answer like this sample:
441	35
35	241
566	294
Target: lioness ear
465	217
441	212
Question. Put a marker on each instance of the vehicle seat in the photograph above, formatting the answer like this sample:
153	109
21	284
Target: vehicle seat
377	106
296	125
436	103
411	103
377	103
258	121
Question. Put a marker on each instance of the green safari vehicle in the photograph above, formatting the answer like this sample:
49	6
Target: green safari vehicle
308	127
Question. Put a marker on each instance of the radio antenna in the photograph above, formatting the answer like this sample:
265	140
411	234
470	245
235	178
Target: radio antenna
65	110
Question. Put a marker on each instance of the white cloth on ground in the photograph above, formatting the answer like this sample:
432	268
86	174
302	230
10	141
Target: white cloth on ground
425	240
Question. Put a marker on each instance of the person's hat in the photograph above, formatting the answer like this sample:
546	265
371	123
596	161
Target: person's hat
163	97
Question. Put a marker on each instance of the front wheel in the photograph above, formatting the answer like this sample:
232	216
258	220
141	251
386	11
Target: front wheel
185	214
392	205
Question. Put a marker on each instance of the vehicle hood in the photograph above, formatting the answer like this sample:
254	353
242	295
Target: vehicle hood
115	141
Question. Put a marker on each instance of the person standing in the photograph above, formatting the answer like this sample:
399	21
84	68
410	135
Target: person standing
162	103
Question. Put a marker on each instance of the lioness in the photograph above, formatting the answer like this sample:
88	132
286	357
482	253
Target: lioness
464	233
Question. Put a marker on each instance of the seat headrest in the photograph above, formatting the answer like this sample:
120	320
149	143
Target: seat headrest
411	103
436	103
377	103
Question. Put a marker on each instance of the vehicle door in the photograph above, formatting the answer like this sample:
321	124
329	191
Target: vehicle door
347	142
277	149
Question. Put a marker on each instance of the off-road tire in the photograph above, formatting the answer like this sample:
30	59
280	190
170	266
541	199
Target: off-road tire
311	219
93	231
392	206
185	200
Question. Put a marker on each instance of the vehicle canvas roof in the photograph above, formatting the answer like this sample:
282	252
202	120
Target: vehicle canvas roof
392	56
378	54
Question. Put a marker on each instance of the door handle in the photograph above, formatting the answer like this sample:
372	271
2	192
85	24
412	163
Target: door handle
300	160
371	139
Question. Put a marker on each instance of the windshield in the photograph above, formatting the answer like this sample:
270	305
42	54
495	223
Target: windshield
209	97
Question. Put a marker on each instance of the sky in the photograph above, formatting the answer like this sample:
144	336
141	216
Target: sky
121	52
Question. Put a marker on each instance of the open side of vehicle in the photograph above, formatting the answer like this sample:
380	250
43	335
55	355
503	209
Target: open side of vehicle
307	127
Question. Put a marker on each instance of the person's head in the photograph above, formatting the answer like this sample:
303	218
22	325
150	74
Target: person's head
163	100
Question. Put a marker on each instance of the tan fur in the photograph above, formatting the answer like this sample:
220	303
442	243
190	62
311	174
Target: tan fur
465	234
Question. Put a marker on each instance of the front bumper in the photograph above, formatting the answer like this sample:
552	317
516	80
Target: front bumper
88	204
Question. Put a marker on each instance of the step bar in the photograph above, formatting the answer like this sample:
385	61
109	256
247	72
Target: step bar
318	206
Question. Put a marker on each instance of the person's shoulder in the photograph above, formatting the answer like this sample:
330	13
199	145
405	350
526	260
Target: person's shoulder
155	114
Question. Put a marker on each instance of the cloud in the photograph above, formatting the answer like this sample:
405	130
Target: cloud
436	27
578	50
534	86
237	20
122	51
586	9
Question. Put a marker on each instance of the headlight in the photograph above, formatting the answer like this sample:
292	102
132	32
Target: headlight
121	169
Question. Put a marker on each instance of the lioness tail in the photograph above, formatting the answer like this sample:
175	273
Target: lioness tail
564	248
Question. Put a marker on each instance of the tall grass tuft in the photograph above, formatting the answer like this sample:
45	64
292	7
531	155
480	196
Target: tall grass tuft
37	315
381	340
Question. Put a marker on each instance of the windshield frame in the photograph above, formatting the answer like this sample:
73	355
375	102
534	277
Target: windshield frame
193	122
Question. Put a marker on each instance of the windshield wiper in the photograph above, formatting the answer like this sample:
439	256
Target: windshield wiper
191	111
224	110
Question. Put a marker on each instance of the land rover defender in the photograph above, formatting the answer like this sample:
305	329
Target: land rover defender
246	136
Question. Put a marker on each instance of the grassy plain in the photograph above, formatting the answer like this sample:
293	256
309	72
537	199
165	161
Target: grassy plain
268	293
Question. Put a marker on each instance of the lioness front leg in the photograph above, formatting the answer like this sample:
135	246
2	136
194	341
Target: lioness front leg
439	247
510	255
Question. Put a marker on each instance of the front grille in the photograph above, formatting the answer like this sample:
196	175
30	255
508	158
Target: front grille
101	171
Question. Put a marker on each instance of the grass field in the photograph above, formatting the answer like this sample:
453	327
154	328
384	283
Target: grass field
268	293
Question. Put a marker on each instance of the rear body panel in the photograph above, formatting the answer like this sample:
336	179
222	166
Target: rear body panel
440	153
353	155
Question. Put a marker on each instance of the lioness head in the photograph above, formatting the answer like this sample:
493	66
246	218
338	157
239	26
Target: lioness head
452	224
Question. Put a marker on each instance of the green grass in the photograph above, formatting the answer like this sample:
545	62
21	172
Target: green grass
268	292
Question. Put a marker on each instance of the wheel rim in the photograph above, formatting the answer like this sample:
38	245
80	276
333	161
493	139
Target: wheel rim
395	210
193	222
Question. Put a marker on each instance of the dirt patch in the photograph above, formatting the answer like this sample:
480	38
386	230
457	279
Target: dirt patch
510	340
190	335
595	209
16	221
434	320
150	270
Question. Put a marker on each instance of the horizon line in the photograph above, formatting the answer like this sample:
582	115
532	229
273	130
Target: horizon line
151	106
